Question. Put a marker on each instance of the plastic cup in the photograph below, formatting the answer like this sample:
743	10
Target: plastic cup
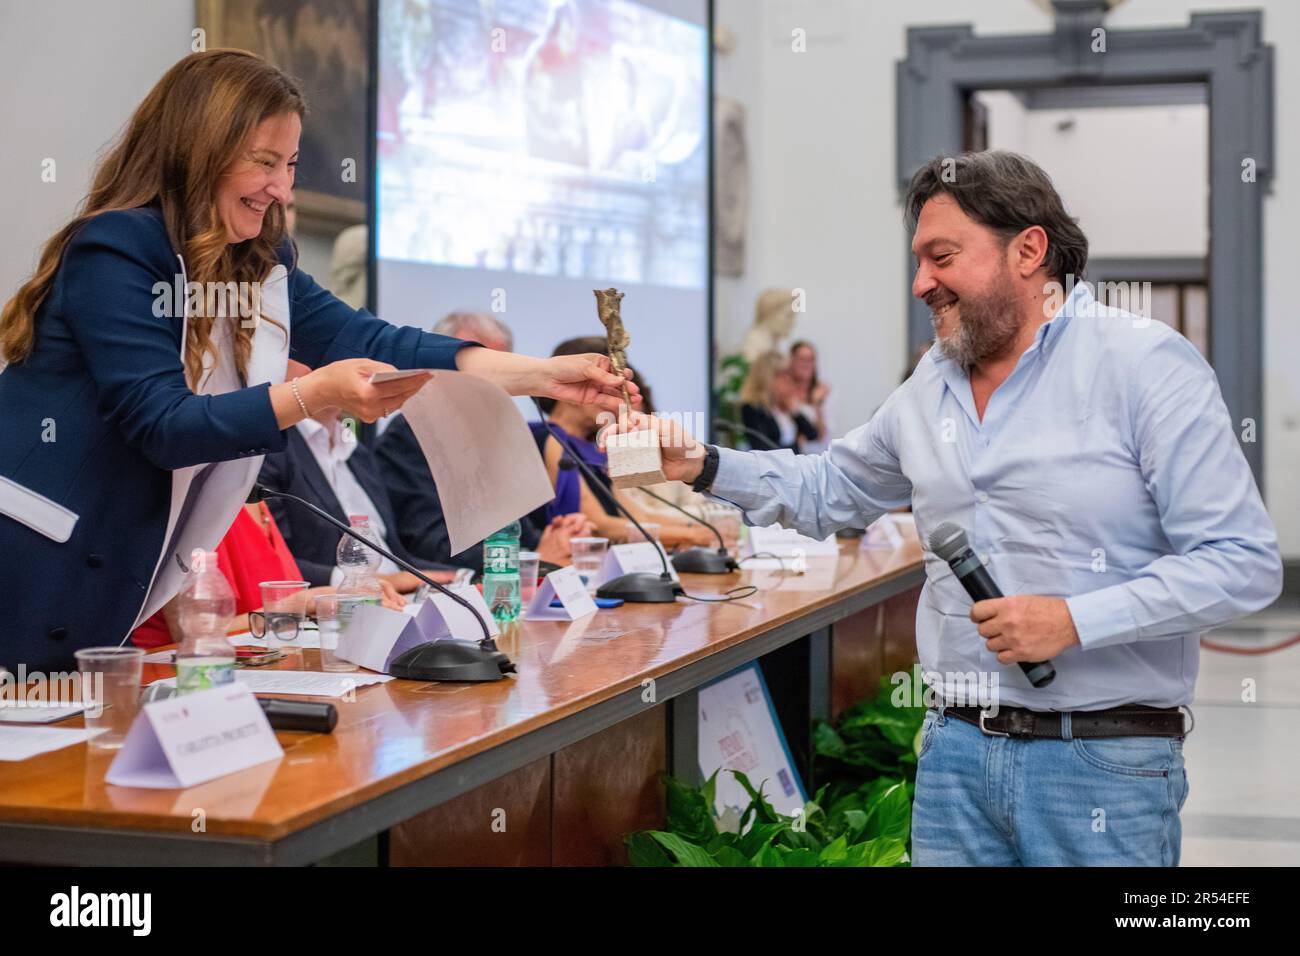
110	690
633	536
332	625
285	606
588	554
527	576
728	521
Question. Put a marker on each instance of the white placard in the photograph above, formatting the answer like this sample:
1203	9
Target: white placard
788	543
183	741
566	584
739	731
440	616
375	635
640	556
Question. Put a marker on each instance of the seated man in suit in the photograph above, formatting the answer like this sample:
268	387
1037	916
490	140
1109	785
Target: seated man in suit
420	522
326	465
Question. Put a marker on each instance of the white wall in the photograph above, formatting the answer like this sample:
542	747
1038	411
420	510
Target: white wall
1137	177
74	70
826	216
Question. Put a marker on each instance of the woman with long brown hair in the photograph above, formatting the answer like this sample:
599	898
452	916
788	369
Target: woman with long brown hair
147	353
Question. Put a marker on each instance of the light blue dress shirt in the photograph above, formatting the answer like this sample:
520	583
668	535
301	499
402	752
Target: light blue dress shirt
1106	471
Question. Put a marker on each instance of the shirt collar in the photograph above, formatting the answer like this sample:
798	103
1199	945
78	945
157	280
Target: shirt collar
1074	300
319	438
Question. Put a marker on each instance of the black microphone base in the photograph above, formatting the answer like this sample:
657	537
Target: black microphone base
640	588
699	560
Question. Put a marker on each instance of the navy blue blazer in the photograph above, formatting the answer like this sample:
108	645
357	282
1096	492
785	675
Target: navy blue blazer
100	413
313	540
421	523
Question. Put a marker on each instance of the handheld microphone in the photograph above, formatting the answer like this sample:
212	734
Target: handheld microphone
313	716
735	428
950	543
641	587
487	646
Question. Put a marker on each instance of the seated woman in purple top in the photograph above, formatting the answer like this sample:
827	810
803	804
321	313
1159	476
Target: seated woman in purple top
579	423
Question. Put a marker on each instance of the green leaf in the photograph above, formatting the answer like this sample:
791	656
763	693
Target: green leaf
878	852
854	822
758	836
834	853
688	811
687	854
643	850
729	856
890	816
797	857
762	809
768	856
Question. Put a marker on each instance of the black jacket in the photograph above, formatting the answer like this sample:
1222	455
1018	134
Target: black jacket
764	422
314	541
420	521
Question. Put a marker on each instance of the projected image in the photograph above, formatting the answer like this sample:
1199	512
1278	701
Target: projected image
562	138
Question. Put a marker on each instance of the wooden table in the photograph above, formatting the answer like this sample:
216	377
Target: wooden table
556	762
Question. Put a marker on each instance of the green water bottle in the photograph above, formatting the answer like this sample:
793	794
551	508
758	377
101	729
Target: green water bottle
501	573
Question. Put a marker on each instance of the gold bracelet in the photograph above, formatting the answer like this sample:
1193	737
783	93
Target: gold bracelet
293	384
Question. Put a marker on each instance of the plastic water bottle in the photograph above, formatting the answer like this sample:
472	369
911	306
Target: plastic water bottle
501	573
358	564
206	606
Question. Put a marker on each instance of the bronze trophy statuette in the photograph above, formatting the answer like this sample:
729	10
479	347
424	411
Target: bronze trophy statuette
634	459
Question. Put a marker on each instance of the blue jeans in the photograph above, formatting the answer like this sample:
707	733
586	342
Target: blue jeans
1000	801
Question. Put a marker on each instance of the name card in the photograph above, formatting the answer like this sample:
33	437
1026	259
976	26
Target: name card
440	616
375	635
183	741
788	543
623	559
566	584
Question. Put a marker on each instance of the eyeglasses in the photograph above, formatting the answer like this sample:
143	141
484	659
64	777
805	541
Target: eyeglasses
282	625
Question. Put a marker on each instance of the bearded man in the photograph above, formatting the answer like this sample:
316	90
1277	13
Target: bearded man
1089	456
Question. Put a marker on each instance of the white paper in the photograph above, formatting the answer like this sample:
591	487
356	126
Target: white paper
787	543
301	683
481	453
566	584
38	712
381	377
738	731
183	741
23	743
440	616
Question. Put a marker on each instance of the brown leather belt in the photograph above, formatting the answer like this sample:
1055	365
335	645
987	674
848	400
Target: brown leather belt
1130	720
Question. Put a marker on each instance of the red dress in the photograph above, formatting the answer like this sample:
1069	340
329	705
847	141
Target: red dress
248	555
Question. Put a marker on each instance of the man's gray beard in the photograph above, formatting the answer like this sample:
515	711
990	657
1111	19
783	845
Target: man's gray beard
988	328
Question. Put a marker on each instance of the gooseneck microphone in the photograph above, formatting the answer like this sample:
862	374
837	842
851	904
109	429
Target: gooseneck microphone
489	663
695	559
950	543
640	587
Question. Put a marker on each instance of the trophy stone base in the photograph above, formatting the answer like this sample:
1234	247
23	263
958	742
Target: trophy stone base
634	460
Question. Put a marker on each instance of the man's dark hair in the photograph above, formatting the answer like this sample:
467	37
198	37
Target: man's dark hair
1008	193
